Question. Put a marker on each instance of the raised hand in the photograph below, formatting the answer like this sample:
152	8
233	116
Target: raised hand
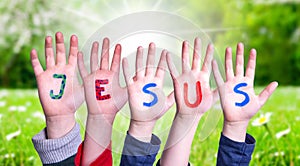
59	91
193	97
103	93
192	90
104	97
238	99
145	96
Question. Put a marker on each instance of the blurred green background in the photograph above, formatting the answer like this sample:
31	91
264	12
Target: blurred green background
270	26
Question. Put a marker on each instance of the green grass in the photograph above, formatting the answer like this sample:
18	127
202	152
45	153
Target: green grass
21	110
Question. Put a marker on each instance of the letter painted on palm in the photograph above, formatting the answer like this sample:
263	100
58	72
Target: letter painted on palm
100	89
155	99
198	94
247	98
62	86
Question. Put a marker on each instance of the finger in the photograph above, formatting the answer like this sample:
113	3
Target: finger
170	101
94	57
36	65
126	73
150	60
185	57
250	71
206	67
240	60
267	92
60	49
104	65
171	66
228	64
215	95
139	63
217	75
49	52
115	64
73	50
82	70
161	68
196	54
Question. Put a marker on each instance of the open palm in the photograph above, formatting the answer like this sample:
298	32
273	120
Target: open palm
112	97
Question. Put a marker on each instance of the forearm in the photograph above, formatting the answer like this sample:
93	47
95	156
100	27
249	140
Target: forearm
235	131
180	140
141	131
59	126
97	136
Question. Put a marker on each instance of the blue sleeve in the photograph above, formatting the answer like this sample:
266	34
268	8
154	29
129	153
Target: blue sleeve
235	153
138	153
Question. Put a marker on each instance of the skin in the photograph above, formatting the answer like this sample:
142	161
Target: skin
236	119
101	113
187	117
59	113
143	118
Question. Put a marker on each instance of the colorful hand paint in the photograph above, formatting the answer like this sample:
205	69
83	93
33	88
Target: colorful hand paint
62	86
100	89
236	90
198	92
145	89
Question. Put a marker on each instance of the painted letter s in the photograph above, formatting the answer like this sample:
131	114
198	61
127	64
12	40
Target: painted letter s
145	89
236	90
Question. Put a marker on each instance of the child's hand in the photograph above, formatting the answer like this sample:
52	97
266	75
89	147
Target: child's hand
59	91
192	90
103	93
238	99
104	97
193	97
146	99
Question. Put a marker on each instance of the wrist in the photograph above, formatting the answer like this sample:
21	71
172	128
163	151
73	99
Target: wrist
59	126
188	117
235	131
108	119
142	131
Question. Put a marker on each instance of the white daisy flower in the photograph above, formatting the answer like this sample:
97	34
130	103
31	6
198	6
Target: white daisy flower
22	108
283	133
279	154
38	115
28	103
13	135
262	119
2	103
10	155
30	158
12	108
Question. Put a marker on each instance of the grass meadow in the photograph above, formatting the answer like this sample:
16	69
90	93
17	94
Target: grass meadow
21	117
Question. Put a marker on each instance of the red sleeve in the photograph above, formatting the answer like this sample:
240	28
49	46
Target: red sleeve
105	158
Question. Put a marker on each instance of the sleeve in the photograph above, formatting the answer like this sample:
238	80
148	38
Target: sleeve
105	158
235	153
138	153
158	163
59	150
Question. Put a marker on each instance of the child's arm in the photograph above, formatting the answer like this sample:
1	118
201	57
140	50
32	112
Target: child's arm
60	95
193	98
147	104
104	98
239	104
